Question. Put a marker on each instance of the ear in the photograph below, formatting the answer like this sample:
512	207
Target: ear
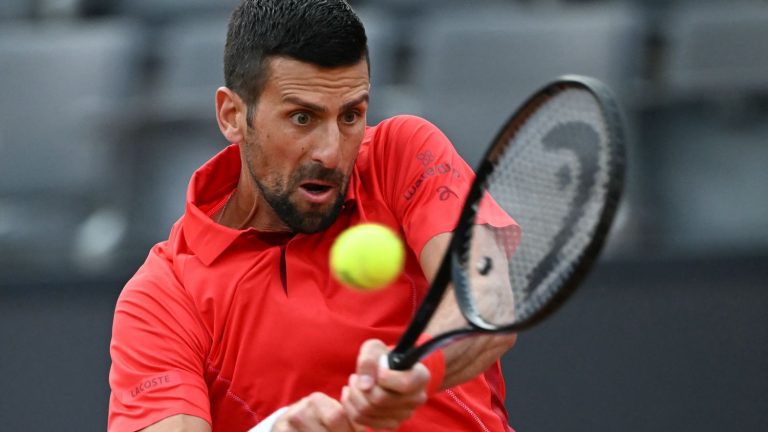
231	112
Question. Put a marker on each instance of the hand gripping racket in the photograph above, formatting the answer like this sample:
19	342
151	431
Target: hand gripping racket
557	168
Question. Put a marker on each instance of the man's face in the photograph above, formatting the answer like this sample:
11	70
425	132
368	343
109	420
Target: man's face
307	127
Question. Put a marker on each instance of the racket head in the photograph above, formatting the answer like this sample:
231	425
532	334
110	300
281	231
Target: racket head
556	167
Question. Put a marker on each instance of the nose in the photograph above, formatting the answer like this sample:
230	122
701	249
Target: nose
327	149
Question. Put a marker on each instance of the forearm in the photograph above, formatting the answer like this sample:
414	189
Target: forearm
470	357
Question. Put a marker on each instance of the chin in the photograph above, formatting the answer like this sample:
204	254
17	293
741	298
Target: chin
316	220
306	217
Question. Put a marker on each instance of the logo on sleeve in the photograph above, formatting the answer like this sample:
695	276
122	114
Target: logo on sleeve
439	169
152	383
444	193
425	158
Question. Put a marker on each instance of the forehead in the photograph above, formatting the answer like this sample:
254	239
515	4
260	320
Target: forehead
289	76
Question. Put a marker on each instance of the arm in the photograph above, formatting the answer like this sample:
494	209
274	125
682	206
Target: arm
316	412
382	398
313	413
427	163
180	423
375	397
467	358
158	350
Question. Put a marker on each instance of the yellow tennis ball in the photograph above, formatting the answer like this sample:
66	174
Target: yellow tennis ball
367	256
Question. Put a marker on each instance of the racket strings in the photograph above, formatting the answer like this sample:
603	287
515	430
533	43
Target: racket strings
552	179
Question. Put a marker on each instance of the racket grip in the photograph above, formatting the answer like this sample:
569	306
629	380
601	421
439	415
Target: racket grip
402	361
434	362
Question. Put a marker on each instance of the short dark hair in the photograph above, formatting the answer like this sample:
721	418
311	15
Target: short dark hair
326	33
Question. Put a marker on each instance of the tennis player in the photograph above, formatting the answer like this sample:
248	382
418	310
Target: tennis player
234	323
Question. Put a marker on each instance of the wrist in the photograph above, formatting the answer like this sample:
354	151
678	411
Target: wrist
435	363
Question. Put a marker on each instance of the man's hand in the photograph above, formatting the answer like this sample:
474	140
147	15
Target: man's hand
379	397
317	412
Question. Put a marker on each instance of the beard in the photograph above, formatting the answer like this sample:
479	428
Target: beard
316	218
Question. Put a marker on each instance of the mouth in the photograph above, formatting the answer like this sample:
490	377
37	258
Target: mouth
317	192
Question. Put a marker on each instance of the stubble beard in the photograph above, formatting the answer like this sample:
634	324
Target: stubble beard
315	219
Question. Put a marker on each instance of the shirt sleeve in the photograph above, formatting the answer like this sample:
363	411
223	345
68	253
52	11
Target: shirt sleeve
425	181
158	352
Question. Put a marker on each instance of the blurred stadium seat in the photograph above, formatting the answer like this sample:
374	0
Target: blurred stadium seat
419	6
15	9
174	130
165	153
189	67
717	48
381	30
63	86
705	129
172	9
58	8
472	67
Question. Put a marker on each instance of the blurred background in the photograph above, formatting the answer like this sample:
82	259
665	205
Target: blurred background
106	109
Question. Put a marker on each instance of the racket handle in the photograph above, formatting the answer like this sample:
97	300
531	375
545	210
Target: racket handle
434	362
398	361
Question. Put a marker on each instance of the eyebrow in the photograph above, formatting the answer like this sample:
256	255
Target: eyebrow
321	109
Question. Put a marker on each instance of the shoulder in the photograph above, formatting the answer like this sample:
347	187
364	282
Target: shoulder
156	308
400	128
153	283
404	120
403	136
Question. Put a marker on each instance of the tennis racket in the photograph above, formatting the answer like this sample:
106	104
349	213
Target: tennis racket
556	167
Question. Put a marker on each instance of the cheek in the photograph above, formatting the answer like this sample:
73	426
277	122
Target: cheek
273	157
258	157
352	146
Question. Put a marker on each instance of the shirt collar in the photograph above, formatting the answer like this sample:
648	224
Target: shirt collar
210	185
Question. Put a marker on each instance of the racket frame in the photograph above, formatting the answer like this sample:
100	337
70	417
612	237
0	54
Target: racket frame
405	354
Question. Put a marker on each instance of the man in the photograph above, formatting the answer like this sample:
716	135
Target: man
234	322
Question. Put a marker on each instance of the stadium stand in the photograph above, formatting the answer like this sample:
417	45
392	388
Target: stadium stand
473	67
62	87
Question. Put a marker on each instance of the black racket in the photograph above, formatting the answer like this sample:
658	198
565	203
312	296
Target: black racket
557	168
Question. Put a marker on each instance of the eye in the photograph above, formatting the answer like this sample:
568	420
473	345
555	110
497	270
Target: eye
301	118
350	117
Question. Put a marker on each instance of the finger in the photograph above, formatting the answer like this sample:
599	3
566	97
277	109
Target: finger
315	413
350	407
391	420
332	415
334	418
298	418
375	417
391	407
411	381
367	363
381	399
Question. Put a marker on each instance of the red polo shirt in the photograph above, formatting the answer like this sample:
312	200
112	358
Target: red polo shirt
231	325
